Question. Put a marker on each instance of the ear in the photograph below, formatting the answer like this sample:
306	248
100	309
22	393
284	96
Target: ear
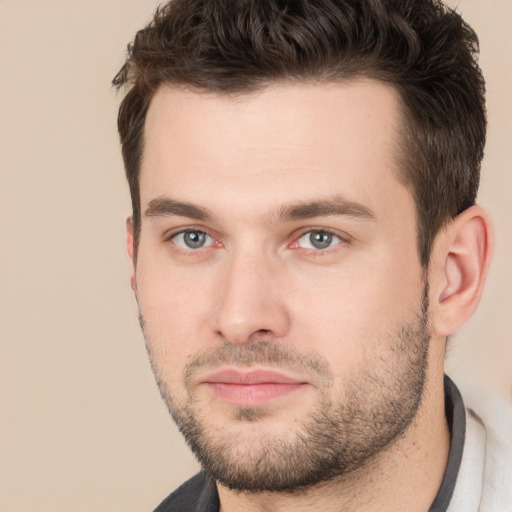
130	246
458	268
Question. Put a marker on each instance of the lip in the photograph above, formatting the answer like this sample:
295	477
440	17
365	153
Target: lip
251	388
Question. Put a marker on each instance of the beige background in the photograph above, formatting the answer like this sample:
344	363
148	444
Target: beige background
82	427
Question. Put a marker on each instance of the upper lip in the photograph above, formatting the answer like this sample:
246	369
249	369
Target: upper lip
251	377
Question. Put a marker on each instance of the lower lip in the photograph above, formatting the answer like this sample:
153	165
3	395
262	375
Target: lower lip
252	395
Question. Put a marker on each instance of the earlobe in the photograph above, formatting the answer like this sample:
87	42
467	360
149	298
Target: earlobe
130	246
461	260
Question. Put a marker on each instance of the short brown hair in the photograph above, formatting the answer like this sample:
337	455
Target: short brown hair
420	47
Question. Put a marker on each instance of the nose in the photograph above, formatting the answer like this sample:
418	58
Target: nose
252	300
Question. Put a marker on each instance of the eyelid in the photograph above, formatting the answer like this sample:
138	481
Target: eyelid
168	234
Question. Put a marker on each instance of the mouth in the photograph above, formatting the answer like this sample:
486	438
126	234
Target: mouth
251	388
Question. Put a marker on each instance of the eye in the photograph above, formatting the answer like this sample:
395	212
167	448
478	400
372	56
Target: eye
192	239
318	240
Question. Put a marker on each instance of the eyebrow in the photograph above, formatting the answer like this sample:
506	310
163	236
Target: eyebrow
163	206
332	206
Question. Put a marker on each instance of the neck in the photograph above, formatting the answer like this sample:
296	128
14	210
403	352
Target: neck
406	476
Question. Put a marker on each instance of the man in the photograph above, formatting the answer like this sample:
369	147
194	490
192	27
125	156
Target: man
304	239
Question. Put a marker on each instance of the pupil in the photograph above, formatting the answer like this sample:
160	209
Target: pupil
320	240
194	239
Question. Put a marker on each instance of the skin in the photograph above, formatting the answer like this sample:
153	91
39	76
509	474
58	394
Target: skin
245	163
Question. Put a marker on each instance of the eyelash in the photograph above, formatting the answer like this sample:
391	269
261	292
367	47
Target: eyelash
190	251
344	240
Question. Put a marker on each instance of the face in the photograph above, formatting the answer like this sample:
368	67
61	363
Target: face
278	279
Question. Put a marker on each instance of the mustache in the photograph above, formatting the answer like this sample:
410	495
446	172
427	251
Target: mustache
259	352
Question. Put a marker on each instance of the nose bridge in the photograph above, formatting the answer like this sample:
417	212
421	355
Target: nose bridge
250	302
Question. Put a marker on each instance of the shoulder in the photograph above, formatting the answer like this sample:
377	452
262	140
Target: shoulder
485	476
199	494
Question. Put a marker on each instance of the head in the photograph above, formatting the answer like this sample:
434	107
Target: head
293	169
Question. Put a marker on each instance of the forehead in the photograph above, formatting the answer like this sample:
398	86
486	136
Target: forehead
292	112
287	141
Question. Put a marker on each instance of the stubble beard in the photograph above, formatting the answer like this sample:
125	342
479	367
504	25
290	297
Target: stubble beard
340	435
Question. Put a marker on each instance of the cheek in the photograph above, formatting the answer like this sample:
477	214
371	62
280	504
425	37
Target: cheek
350	312
175	311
